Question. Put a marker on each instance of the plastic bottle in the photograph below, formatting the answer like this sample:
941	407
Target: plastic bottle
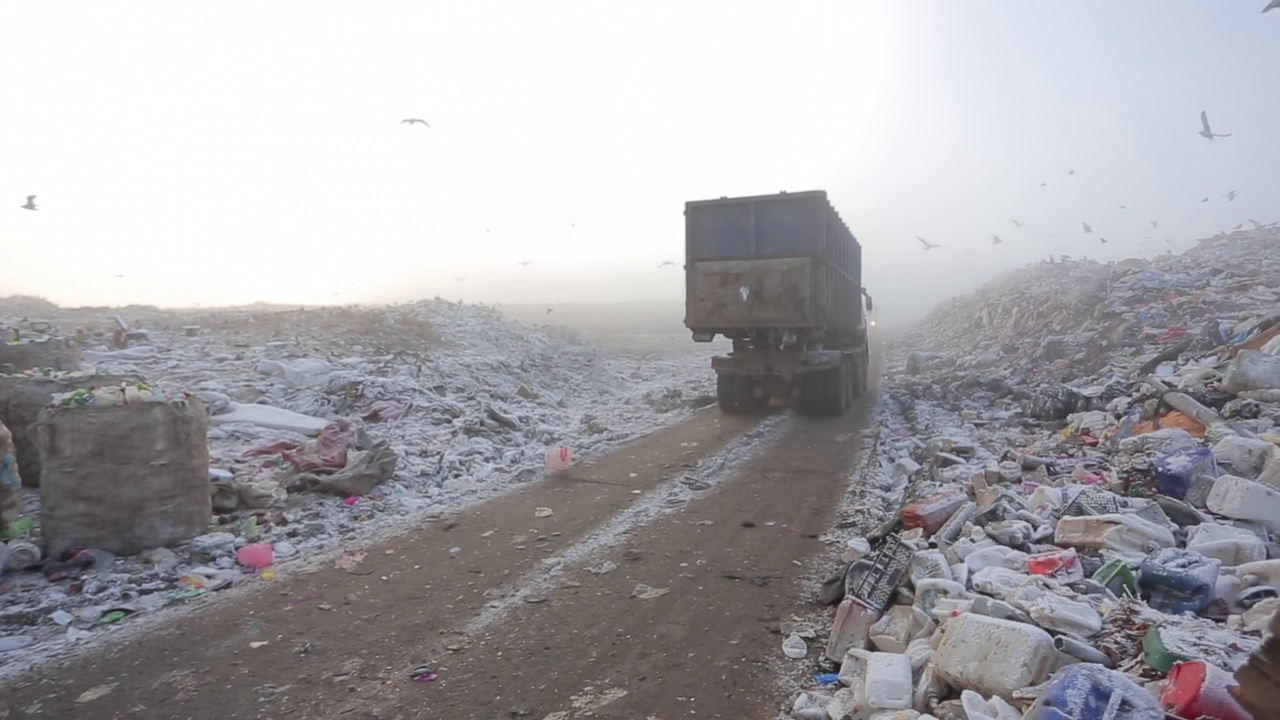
899	626
1197	689
795	647
1059	564
996	556
932	512
1086	690
1060	614
1178	470
930	592
22	555
992	656
889	685
1230	545
1243	499
1124	534
928	564
851	629
1178	581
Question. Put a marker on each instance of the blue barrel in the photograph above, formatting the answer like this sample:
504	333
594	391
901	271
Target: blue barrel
1085	691
1178	581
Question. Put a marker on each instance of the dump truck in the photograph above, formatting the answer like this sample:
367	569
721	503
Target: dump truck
781	276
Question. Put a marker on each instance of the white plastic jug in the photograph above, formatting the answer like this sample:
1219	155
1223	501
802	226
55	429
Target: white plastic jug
1243	499
993	656
888	681
1125	534
1231	545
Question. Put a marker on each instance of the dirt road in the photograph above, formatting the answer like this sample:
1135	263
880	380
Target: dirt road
516	625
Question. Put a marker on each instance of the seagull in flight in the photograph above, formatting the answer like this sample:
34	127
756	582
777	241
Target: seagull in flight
549	311
1102	240
1257	225
1087	229
1016	223
1231	195
927	245
1073	172
1237	227
525	264
667	264
1044	184
117	277
1207	133
1206	199
995	240
415	120
1155	224
460	278
31	203
1272	5
1124	207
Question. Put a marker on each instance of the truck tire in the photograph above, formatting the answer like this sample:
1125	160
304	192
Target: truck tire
727	396
859	377
851	383
834	400
812	389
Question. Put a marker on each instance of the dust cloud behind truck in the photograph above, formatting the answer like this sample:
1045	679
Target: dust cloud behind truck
780	276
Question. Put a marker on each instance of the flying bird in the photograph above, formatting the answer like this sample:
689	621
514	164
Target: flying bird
526	263
1206	199
1208	133
927	245
549	311
1237	227
1102	240
460	278
1073	172
1155	224
1231	195
31	203
995	240
1124	207
1087	229
1257	225
1016	223
415	120
1044	184
117	277
667	264
1272	5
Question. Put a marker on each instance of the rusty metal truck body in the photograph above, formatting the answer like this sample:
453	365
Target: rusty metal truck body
780	276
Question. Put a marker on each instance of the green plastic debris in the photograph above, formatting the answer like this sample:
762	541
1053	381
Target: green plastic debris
1118	578
113	616
19	528
1156	654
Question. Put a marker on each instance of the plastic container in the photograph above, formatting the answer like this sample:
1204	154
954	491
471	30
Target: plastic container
1230	545
1060	614
1197	689
996	556
21	555
851	629
1086	691
901	624
1178	581
931	513
930	592
992	656
795	647
977	707
1178	470
929	564
1059	564
997	581
888	683
1116	576
1124	534
1243	499
559	458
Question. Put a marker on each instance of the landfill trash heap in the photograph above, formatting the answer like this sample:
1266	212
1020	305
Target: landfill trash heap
1092	502
283	437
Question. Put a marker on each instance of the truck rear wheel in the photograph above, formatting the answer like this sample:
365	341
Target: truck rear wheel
859	377
727	393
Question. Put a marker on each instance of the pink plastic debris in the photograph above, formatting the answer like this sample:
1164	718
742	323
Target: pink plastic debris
257	556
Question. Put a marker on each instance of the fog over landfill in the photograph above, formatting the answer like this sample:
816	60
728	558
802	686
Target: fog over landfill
228	156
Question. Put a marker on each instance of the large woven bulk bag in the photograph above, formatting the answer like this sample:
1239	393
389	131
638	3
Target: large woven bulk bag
123	478
24	397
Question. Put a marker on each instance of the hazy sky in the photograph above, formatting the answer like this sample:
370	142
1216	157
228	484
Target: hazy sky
229	152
